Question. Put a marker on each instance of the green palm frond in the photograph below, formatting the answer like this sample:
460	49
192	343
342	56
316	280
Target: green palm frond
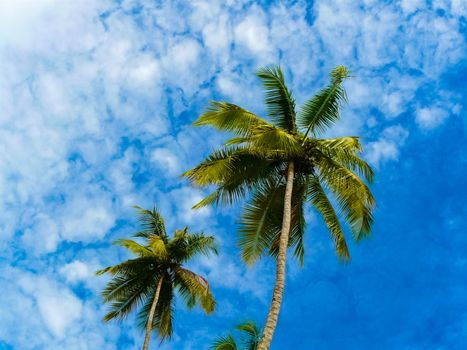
248	171
158	247
129	267
194	289
346	150
224	343
354	197
323	205
279	101
348	143
252	335
127	298
322	110
272	139
298	223
260	223
229	164
249	335
151	222
229	117
135	247
198	243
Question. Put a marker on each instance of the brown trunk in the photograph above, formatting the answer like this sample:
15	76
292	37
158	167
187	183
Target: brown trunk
151	313
273	314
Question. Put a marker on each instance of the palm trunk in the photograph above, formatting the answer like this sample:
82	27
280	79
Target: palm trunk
274	309
151	313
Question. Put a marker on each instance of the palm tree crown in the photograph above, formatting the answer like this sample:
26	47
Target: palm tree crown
280	165
250	335
254	162
149	280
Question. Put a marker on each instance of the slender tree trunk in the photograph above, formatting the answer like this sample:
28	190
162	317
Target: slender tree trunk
152	310
273	314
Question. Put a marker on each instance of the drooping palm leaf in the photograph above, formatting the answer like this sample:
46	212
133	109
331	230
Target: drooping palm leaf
323	205
194	289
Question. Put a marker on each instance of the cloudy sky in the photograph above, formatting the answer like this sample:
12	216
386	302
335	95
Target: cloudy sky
96	102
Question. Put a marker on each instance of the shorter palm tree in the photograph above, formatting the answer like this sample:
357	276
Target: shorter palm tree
251	335
148	281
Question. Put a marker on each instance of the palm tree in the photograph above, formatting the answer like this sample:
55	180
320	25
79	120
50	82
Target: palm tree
250	341
280	165
149	280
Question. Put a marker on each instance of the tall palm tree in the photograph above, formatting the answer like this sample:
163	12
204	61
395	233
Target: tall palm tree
149	280
250	339
279	165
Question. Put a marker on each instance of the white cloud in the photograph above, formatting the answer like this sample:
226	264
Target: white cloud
387	146
86	90
252	33
75	271
58	306
410	6
184	199
430	118
167	162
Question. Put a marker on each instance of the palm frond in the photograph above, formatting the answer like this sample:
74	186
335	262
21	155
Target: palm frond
253	335
323	205
322	110
229	117
194	289
346	150
128	298
130	267
231	165
151	221
158	247
354	197
273	139
279	101
248	172
198	243
134	247
260	221
224	343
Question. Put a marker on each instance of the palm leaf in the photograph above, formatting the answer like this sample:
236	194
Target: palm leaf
135	247
258	224
279	101
151	221
194	289
123	303
322	110
253	335
224	343
353	195
323	205
346	150
229	117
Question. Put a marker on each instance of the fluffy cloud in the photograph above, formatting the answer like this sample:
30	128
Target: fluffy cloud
387	147
96	99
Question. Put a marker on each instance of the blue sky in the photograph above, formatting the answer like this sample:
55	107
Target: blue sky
96	102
